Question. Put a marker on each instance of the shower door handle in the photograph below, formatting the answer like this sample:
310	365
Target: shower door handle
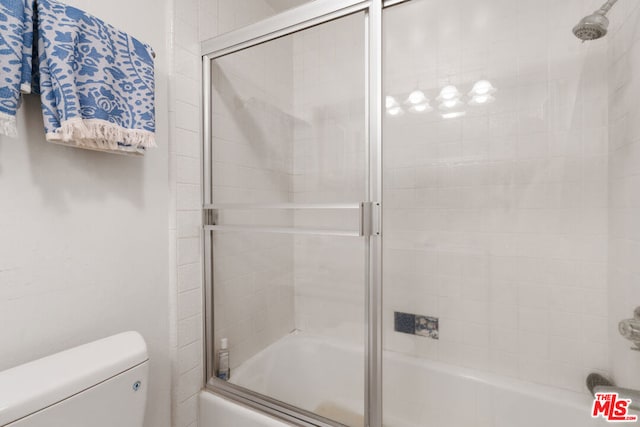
368	218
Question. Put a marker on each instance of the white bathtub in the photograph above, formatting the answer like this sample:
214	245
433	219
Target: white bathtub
327	377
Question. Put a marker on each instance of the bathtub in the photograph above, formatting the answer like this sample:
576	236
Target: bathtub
327	377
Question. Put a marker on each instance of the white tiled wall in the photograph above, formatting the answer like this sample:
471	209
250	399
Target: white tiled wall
624	187
496	222
185	214
221	16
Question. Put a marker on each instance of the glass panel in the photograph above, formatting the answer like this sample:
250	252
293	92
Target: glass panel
292	308
289	128
495	207
289	119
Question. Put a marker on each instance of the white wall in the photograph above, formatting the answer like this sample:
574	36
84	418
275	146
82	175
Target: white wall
624	187
83	235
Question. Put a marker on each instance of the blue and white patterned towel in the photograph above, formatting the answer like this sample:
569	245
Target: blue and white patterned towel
16	40
96	82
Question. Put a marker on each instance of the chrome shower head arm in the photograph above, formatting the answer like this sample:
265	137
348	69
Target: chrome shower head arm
605	8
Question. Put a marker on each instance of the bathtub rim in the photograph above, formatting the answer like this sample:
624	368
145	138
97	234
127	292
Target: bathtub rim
267	405
212	397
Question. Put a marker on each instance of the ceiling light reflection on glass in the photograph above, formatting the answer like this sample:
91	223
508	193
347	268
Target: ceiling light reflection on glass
451	104
449	93
417	97
395	111
450	101
481	93
481	100
421	108
482	87
454	115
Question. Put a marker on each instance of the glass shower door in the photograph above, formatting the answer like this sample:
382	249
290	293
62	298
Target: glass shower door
285	227
495	214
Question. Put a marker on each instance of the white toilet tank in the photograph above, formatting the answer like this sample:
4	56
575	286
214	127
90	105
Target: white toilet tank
101	384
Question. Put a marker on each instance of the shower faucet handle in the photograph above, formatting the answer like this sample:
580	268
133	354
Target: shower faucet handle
630	329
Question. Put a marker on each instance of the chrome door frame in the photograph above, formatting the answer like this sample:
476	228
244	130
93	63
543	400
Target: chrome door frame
288	22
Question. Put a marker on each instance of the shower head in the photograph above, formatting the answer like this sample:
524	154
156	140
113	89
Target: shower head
591	27
594	26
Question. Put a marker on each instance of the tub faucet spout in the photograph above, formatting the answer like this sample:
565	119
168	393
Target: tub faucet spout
597	383
623	393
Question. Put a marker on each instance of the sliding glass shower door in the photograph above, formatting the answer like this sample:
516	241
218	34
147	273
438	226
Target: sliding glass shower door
285	234
496	213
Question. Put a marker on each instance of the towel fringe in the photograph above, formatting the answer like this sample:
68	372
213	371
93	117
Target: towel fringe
8	125
102	135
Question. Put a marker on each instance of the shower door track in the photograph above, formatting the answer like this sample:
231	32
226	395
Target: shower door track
297	19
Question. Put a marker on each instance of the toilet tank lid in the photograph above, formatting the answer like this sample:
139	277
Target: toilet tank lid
33	386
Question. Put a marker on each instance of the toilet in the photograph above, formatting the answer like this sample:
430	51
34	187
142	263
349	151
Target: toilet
101	384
